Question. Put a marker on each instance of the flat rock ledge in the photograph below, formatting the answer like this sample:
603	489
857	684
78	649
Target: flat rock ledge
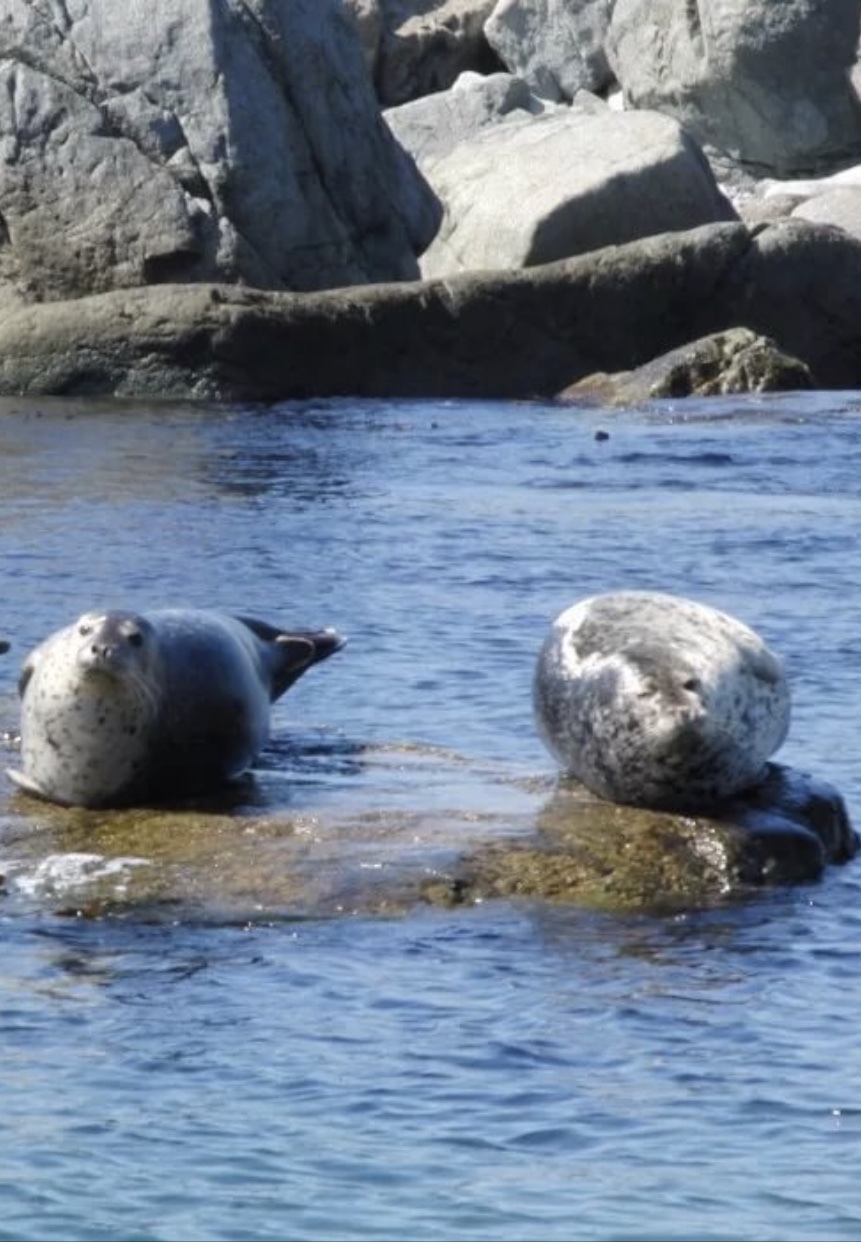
506	334
228	858
596	853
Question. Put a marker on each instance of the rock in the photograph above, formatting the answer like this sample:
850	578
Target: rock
529	191
808	187
768	84
599	854
557	48
734	361
756	211
368	19
499	334
431	127
840	207
187	141
427	44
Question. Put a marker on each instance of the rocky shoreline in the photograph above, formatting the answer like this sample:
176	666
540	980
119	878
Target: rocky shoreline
520	334
386	198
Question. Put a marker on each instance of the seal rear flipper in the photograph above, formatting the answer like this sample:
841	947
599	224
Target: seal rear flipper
296	650
27	785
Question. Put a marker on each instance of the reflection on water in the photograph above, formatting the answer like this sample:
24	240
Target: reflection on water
191	1051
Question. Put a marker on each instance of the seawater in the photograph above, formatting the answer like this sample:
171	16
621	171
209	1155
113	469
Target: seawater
508	1071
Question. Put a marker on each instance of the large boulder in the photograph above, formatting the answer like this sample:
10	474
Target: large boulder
426	44
768	84
557	46
494	334
432	126
529	191
197	140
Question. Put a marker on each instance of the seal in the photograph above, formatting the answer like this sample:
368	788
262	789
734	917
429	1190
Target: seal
125	707
654	700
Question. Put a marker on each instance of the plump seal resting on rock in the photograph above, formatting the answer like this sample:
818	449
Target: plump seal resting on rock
125	707
657	701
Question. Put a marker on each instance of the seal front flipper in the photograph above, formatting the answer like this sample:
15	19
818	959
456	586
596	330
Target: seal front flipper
293	651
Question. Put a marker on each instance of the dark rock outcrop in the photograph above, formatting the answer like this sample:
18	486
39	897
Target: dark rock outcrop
499	334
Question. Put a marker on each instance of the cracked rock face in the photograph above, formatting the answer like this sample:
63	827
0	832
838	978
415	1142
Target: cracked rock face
186	140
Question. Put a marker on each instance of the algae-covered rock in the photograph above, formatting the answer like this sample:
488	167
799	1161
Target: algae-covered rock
594	852
734	361
437	828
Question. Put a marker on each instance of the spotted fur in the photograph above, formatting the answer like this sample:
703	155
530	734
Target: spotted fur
654	700
122	707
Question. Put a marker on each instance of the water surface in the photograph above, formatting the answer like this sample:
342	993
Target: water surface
215	1068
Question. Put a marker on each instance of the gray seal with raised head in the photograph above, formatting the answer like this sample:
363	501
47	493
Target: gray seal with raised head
658	701
125	707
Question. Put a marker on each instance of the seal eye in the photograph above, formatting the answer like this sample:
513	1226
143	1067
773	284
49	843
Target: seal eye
136	638
84	630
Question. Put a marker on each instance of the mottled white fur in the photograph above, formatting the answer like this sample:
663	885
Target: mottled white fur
655	700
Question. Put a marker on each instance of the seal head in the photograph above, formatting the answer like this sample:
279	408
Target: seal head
124	707
657	701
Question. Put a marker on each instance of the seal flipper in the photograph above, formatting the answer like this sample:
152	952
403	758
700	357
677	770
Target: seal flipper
27	785
296	650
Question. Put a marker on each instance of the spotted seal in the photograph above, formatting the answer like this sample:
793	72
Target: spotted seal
658	701
125	707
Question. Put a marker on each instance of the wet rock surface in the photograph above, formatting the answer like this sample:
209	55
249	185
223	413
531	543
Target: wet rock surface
235	859
600	854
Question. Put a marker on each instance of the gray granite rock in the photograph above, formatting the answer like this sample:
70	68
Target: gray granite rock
770	84
531	190
431	127
426	44
187	140
557	46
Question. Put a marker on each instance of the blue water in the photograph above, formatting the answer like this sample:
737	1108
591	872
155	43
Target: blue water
506	1071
